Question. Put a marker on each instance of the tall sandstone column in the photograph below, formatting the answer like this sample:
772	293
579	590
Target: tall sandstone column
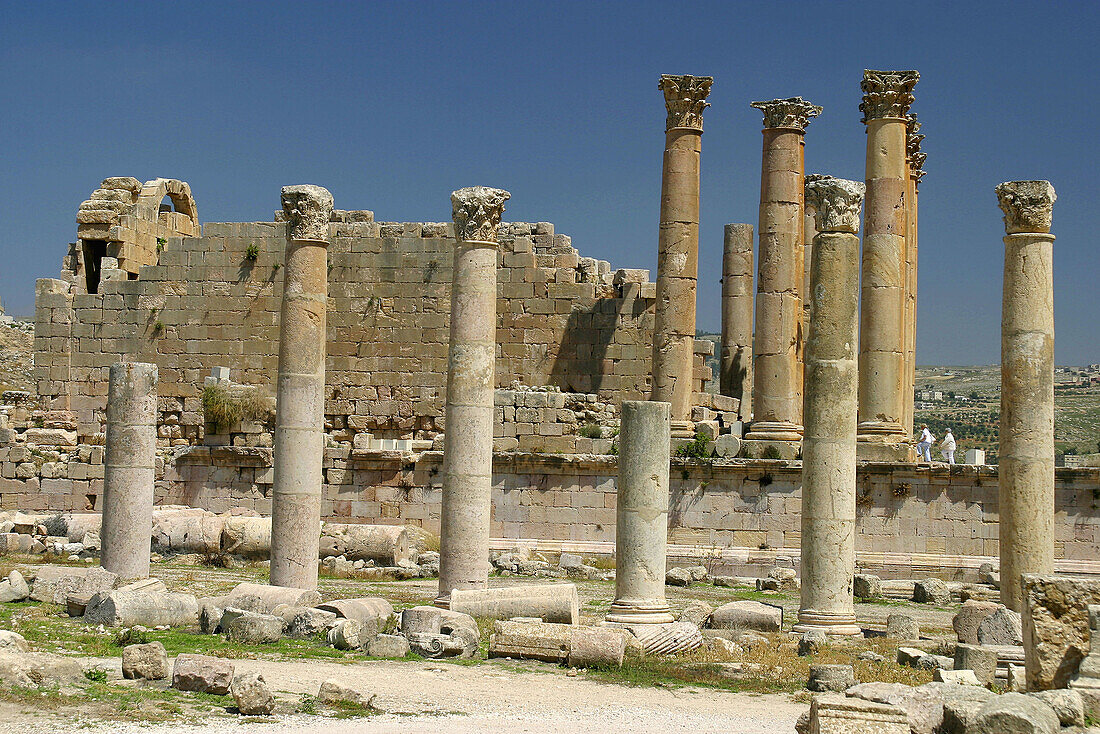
777	342
832	381
915	167
468	441
641	515
735	378
300	393
678	245
1026	464
882	372
130	469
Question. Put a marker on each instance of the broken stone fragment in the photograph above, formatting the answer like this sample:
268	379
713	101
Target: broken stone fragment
148	662
202	673
334	692
251	694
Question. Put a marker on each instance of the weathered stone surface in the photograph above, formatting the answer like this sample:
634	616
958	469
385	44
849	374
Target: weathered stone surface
14	588
678	577
306	621
836	203
597	647
387	646
13	642
902	627
333	691
525	640
866	586
981	660
958	677
148	661
251	628
924	705
1003	627
363	609
308	210
54	583
811	642
386	545
129	608
33	669
836	714
969	616
1055	628
1028	206
549	602
932	591
346	634
825	678
251	694
666	639
697	612
202	673
264	598
747	614
1015	713
1067	704
211	611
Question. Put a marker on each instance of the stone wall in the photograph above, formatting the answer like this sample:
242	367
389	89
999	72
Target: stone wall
213	301
903	508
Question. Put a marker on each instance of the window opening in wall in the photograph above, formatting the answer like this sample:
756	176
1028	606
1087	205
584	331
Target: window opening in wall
94	252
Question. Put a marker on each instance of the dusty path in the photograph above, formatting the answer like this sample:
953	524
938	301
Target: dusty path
433	697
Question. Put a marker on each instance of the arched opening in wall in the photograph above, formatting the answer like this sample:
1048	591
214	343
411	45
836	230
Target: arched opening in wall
94	251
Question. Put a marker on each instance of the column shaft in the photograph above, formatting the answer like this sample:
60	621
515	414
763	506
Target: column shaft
910	322
130	469
777	341
677	272
1026	463
735	379
641	515
300	392
882	305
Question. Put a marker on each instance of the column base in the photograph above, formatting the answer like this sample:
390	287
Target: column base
774	431
831	623
638	611
442	602
788	450
683	429
888	432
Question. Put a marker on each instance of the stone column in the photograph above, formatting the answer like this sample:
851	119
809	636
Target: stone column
641	515
678	245
129	473
468	442
300	406
829	442
882	373
915	167
777	342
735	378
1026	464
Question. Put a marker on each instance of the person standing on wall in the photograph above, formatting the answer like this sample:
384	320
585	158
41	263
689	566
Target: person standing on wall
924	445
947	447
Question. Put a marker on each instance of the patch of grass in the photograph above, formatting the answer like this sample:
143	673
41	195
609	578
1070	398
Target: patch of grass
699	447
223	407
590	430
96	675
131	636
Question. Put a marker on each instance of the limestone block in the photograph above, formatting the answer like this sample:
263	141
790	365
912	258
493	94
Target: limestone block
365	610
902	627
697	613
544	641
866	586
202	673
387	646
824	678
982	660
678	577
148	662
925	705
969	616
384	544
1015	713
1068	705
932	591
251	694
50	437
14	588
346	634
959	677
1003	627
264	598
333	691
305	621
727	445
251	628
596	647
129	608
13	642
837	714
1055	628
747	614
54	584
549	602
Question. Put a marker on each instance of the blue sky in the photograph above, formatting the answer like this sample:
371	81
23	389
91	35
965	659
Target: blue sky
391	106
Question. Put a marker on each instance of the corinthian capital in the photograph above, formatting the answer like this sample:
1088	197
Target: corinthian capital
308	210
793	113
887	93
477	211
1028	205
685	99
913	140
836	203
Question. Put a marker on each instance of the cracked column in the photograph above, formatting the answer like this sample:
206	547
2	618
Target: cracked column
468	439
641	515
735	377
882	373
130	469
829	441
300	407
678	246
777	343
1026	465
915	167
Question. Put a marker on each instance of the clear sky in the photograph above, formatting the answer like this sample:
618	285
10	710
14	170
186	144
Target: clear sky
391	106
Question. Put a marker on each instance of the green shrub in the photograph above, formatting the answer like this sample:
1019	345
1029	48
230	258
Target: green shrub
131	636
223	407
698	448
590	430
96	675
252	252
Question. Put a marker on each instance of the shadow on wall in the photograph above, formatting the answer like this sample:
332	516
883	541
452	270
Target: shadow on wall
582	353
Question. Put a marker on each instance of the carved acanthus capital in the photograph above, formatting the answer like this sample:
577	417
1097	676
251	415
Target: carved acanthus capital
836	203
308	210
1028	205
793	113
685	99
887	93
477	211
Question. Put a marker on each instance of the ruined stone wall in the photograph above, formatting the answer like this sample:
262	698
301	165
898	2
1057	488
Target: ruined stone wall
902	508
213	301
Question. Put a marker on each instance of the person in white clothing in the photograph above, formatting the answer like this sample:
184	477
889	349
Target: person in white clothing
947	447
924	446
